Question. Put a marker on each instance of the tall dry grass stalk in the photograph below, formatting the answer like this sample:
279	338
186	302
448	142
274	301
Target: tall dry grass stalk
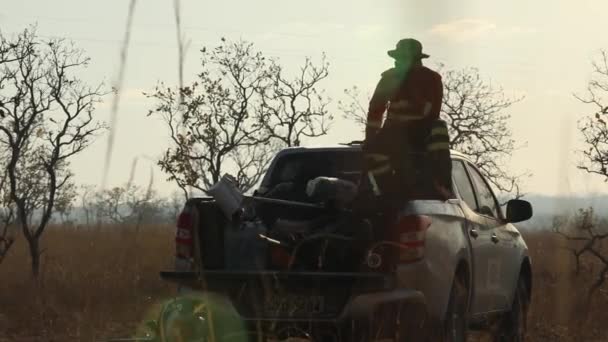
181	45
124	52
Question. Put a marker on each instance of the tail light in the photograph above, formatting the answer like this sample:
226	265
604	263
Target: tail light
280	258
184	236
411	234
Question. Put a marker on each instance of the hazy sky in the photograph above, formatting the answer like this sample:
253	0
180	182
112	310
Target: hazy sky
540	49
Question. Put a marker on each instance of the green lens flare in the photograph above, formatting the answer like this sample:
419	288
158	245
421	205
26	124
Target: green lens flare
194	318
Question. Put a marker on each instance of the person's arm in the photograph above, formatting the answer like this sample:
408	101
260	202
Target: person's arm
433	95
437	97
377	106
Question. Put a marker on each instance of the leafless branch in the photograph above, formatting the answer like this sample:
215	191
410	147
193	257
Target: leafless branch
221	123
294	108
352	108
588	241
475	113
593	127
129	204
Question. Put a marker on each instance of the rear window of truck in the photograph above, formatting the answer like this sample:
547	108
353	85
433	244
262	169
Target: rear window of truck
303	166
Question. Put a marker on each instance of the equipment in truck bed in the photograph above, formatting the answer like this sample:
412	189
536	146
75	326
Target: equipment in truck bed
323	243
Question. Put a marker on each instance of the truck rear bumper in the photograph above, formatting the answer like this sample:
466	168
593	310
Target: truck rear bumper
368	291
363	305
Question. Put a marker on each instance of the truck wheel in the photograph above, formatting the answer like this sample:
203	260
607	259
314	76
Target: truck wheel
455	326
512	327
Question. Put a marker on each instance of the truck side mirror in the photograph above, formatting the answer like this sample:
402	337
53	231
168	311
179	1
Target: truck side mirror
518	210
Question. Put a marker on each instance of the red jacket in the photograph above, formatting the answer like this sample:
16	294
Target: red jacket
417	95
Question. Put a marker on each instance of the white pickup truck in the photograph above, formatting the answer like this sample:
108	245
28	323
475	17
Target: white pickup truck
443	268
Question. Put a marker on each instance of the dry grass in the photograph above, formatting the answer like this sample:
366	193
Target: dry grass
560	307
93	284
102	283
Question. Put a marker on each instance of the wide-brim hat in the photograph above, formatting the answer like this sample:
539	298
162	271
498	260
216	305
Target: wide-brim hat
408	48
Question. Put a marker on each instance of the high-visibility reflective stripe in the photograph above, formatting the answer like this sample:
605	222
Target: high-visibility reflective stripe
436	138
372	181
438	146
439	131
427	108
374	124
381	169
402	104
377	156
404	117
440	123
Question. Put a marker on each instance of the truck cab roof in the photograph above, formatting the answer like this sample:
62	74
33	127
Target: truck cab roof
296	164
344	147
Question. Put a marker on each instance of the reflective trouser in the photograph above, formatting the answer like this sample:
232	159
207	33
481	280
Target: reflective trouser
379	172
439	160
378	190
409	162
384	176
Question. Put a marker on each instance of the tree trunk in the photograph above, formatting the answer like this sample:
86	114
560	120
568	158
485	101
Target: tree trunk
34	255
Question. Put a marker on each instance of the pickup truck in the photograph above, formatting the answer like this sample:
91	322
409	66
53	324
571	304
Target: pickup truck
441	269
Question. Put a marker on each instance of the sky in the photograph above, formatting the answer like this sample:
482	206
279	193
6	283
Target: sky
540	50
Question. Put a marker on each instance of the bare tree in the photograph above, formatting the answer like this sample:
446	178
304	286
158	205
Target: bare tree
295	108
216	116
47	118
129	204
87	192
353	108
593	127
108	205
105	205
475	112
583	232
235	115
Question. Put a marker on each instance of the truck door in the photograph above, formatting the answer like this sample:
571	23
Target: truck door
479	237
506	246
500	246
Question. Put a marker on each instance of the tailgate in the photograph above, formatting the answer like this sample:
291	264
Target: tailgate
285	295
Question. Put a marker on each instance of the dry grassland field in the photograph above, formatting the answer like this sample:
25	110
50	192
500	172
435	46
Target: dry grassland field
97	283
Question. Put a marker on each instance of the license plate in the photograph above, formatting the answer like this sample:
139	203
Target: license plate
293	305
